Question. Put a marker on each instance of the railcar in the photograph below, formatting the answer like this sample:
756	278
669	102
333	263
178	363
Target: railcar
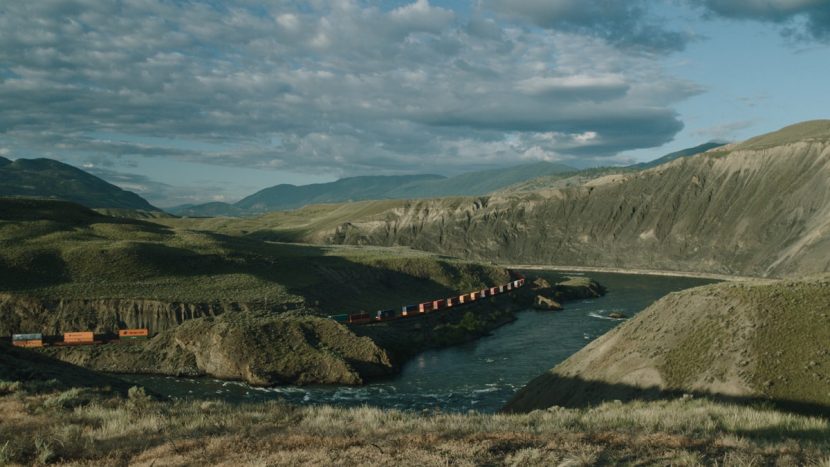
385	314
360	317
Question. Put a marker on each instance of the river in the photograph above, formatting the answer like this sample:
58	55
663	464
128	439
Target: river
480	375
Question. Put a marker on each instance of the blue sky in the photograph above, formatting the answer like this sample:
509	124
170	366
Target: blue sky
187	102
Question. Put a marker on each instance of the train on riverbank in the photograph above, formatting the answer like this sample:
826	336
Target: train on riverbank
410	311
35	340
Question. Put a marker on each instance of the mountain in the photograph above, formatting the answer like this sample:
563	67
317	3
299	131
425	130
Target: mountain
214	209
478	183
676	155
281	197
580	177
759	208
759	340
285	196
47	178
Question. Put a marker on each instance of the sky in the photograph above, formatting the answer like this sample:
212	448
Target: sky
197	101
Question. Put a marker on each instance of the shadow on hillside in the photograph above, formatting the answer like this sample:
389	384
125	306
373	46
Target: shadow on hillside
64	212
550	390
334	284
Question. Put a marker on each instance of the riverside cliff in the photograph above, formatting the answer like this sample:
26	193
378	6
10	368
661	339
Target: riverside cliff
759	208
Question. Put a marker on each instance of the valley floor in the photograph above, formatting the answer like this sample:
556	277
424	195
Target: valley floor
88	427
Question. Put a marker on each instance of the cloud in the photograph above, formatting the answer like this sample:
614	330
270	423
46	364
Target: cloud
628	24
339	87
801	19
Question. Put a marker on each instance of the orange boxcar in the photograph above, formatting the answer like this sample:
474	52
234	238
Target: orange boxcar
86	336
144	332
30	343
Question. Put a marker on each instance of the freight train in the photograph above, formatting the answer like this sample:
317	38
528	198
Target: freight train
34	340
406	311
409	311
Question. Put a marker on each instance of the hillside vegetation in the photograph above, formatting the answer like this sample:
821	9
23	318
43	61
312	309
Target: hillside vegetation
60	260
759	208
82	427
47	178
762	340
229	307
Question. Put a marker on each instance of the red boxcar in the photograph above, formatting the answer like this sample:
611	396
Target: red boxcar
359	317
144	332
436	305
28	343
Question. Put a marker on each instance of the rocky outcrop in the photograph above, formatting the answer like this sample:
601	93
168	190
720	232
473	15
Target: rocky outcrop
259	349
764	340
54	316
543	303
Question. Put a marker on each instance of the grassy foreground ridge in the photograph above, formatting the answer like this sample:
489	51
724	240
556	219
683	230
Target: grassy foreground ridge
84	427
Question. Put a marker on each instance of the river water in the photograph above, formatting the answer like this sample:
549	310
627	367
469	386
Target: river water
480	375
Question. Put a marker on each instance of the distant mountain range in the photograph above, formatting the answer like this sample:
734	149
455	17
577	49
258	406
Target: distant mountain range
47	178
50	179
676	155
282	197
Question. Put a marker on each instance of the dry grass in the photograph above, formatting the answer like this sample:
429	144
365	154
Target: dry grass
78	427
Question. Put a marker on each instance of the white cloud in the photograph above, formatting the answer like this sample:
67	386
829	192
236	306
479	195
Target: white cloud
336	87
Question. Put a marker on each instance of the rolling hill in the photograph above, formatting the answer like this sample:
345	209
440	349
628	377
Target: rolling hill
760	340
758	208
50	179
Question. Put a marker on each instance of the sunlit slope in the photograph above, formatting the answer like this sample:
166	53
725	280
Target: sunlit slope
764	340
757	208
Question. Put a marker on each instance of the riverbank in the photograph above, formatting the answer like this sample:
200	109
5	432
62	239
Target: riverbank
630	271
290	348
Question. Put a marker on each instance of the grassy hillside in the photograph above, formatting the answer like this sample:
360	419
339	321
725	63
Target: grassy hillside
47	178
728	211
754	341
21	368
82	428
815	131
61	256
